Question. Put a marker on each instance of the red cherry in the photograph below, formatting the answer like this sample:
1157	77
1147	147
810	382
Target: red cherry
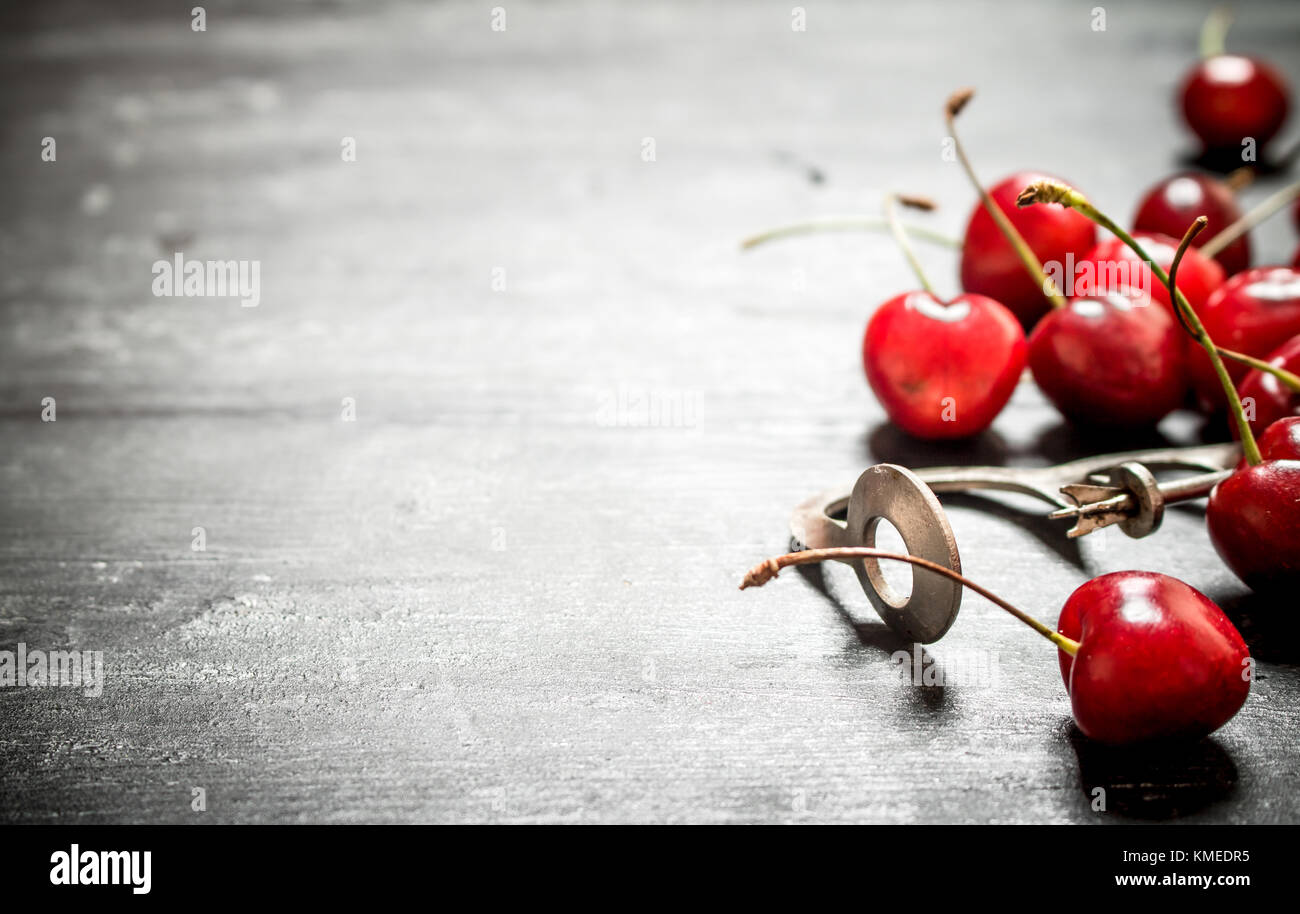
1113	359
1253	516
1254	313
1228	98
1198	276
943	370
1143	655
1173	204
1281	440
1157	659
990	266
1272	400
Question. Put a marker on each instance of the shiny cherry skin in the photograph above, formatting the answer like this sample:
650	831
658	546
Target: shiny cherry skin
990	266
1254	312
1281	440
1115	359
1113	260
1267	397
1253	516
1171	206
1227	98
943	370
1157	659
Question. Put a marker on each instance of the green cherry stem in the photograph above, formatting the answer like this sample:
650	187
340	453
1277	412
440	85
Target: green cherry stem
1033	266
1251	219
851	223
1214	31
764	571
1286	378
900	234
1289	380
1057	192
1248	444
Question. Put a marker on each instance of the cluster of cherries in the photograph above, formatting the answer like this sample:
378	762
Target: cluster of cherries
1124	351
1166	318
1102	357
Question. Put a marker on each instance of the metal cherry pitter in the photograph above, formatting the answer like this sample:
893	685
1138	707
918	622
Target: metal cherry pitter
1094	492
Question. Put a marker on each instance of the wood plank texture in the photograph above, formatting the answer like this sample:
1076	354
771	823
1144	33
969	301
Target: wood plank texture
507	591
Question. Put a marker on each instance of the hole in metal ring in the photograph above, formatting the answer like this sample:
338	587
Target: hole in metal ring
875	574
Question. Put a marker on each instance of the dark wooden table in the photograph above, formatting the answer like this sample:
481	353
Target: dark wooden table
507	590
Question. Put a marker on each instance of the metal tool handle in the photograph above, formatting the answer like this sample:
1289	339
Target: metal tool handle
1004	479
1045	482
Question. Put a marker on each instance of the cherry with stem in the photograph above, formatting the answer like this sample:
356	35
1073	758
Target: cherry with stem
1251	516
1049	191
1287	378
1033	266
1171	204
941	369
1143	656
1192	324
1271	399
1103	359
1228	98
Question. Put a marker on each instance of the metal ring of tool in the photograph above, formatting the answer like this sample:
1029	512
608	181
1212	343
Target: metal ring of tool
889	492
892	493
1142	485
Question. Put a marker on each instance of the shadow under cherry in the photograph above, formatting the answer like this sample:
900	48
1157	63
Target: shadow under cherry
1156	781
